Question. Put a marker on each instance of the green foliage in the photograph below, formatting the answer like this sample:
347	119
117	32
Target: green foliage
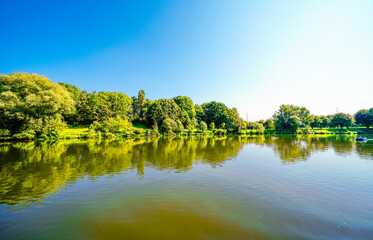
288	118
26	96
101	106
162	109
324	121
190	128
116	124
28	134
307	130
52	127
179	128
269	124
212	126
139	106
186	107
202	126
5	133
219	113
168	126
341	120
364	117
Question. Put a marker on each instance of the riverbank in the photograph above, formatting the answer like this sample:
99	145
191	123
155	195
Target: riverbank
84	132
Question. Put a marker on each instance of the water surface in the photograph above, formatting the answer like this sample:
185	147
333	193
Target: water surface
235	187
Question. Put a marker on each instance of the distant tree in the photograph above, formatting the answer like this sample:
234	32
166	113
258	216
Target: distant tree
287	118
341	120
364	117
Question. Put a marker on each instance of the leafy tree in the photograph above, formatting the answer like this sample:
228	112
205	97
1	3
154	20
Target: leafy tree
186	104
202	126
316	122
102	106
219	113
113	124
24	97
324	121
212	126
364	117
341	120
168	126
179	128
287	118
161	109
139	105
269	124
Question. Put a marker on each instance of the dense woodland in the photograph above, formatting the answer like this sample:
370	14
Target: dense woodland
32	106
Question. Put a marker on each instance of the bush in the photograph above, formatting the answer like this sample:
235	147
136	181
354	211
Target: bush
25	135
307	130
202	126
220	131
179	128
53	127
139	131
168	126
5	133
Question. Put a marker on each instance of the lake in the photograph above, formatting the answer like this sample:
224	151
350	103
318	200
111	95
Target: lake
234	187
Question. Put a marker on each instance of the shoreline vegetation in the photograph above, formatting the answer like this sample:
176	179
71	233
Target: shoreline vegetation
33	107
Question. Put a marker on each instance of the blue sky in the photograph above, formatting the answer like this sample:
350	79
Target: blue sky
253	55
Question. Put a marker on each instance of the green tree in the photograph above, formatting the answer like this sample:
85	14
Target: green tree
186	104
341	120
287	118
161	109
269	124
202	126
324	121
364	117
219	113
316	122
168	126
212	126
179	128
24	97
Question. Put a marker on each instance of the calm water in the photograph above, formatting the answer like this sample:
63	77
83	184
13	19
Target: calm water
188	188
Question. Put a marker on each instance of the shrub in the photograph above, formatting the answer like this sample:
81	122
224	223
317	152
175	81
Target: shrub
168	126
179	128
139	131
202	126
5	133
25	135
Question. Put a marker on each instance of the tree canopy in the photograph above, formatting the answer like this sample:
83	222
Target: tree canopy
27	97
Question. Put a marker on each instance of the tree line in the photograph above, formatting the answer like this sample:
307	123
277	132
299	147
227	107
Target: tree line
33	106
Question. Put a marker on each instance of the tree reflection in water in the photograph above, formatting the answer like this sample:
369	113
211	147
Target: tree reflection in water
31	172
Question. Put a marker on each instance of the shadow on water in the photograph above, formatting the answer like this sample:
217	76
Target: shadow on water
31	172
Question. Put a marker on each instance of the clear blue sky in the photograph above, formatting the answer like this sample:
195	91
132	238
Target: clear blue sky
253	55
